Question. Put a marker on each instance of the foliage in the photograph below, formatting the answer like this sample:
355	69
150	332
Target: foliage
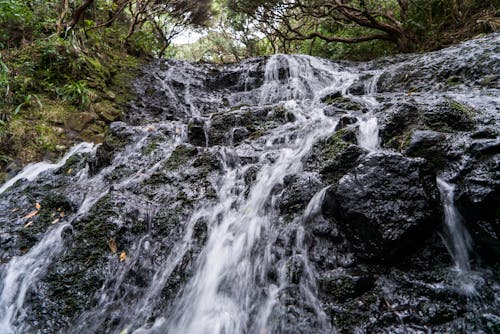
312	26
76	93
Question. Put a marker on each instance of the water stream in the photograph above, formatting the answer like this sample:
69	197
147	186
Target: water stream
213	203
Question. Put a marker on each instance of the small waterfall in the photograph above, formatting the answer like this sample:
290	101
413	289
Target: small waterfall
19	275
31	171
368	136
227	235
456	238
223	296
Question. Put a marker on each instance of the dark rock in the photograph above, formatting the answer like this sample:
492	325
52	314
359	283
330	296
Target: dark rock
240	134
358	88
395	123
485	133
121	130
430	145
385	206
196	132
298	191
345	121
485	147
334	156
449	116
345	285
102	158
479	201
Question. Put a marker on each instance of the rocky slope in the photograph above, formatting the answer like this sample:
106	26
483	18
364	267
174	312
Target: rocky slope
280	195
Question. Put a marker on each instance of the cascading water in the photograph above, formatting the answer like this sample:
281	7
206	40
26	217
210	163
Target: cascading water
457	238
368	136
225	295
217	210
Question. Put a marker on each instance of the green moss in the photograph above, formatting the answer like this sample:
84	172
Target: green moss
400	142
72	280
341	102
334	145
453	81
149	148
468	112
53	206
181	155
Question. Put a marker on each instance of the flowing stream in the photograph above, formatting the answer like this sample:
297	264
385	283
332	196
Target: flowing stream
199	229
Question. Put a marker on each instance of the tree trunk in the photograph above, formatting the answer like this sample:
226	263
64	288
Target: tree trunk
77	14
403	42
62	16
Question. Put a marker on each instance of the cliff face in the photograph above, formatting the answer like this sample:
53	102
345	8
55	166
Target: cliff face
288	194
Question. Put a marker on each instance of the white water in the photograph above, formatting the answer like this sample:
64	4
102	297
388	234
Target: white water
457	238
223	292
229	289
368	135
30	172
19	274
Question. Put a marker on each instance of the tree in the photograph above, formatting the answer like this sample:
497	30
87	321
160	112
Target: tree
164	18
331	21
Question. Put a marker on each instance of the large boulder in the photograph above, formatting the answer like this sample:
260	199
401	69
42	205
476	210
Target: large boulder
479	202
386	205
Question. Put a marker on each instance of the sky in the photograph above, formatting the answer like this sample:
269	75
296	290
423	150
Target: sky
187	37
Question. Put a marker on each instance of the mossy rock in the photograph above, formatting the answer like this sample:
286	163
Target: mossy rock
54	207
74	278
341	102
181	155
335	155
107	111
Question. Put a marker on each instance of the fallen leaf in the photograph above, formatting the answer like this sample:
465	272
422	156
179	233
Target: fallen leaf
69	171
62	214
55	221
112	246
123	256
38	206
28	224
31	214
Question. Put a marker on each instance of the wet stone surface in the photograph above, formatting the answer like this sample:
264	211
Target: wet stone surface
283	194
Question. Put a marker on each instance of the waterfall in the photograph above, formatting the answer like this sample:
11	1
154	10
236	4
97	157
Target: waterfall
221	205
457	238
368	136
223	296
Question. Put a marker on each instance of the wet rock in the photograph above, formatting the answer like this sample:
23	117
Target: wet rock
334	156
485	147
79	121
102	158
430	145
196	132
298	191
240	134
477	200
385	206
485	133
121	130
449	116
345	121
395	123
341	103
358	88
345	285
